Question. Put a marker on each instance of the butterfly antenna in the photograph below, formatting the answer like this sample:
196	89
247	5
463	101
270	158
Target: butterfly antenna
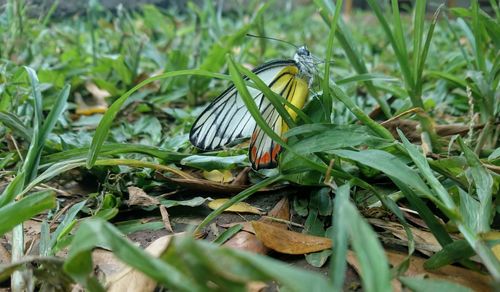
273	39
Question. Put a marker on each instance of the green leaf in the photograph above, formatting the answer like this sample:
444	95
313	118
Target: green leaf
105	123
325	138
338	265
451	253
238	198
16	125
422	164
196	201
15	213
423	285
375	273
484	187
215	162
230	269
227	234
12	189
388	164
97	232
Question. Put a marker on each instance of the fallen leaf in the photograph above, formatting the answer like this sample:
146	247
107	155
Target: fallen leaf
289	242
280	211
137	197
425	241
166	218
246	226
242	177
255	286
129	279
200	184
462	276
240	207
246	239
5	256
95	106
97	93
224	176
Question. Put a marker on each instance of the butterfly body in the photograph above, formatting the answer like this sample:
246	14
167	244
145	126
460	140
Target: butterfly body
227	119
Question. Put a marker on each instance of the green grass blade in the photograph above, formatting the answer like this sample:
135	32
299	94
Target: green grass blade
238	198
420	61
375	273
437	229
477	30
15	213
16	125
54	114
112	149
327	99
358	112
397	40
451	253
338	265
97	232
483	182
418	33
202	260
423	285
364	77
30	164
389	164
398	33
12	189
105	123
227	234
355	58
422	164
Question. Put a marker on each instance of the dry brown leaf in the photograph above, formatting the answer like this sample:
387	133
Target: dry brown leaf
289	242
97	93
206	186
242	177
467	278
240	207
425	242
105	262
5	256
166	219
280	211
246	239
137	197
95	106
224	176
129	279
245	226
256	286
412	130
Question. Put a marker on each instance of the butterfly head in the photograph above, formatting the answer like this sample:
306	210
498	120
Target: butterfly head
305	62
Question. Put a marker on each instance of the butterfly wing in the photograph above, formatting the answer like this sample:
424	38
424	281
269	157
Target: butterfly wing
263	150
227	118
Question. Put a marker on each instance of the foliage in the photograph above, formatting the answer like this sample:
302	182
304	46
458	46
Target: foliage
157	68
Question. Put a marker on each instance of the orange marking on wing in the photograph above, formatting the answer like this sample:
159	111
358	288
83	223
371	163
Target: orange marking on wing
265	159
276	151
253	153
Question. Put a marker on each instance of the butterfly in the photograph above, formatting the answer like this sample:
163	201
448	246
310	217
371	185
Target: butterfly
227	119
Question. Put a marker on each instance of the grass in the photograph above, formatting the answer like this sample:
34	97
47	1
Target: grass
160	68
